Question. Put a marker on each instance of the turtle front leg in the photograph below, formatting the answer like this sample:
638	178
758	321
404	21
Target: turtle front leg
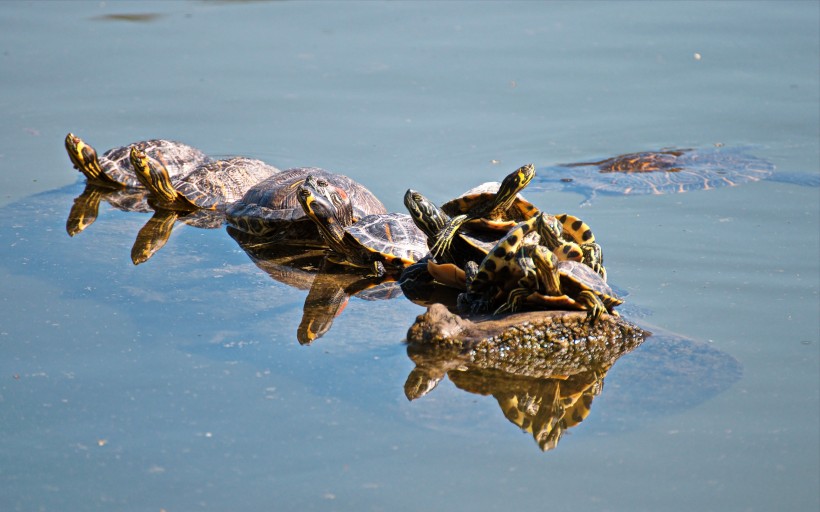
592	303
515	300
593	257
445	236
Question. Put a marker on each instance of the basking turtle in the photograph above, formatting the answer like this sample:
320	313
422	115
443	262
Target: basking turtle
491	279
271	210
210	186
467	245
553	284
384	242
114	169
667	171
491	205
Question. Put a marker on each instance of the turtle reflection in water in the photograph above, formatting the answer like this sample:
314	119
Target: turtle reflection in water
156	231
667	171
329	286
546	368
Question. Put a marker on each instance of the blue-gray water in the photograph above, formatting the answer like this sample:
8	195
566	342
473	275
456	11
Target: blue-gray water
179	385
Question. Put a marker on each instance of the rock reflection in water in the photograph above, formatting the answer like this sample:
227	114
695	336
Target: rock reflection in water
544	368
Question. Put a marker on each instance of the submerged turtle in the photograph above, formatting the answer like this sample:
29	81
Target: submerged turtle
271	210
666	171
210	186
114	169
491	206
383	242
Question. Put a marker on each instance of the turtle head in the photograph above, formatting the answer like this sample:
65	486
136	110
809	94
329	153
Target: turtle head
427	216
83	157
156	180
546	265
321	210
341	204
518	179
549	229
513	184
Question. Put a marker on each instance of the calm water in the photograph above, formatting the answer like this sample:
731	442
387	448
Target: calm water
179	384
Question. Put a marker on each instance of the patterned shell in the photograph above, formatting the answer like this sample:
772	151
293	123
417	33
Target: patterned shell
216	184
178	158
585	278
521	209
394	235
272	202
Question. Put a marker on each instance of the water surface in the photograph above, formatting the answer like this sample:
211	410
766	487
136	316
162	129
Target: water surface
179	384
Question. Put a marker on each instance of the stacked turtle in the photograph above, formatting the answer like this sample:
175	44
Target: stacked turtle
507	255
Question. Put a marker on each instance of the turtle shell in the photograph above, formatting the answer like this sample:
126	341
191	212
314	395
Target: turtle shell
391	237
576	276
270	208
179	160
666	171
216	184
521	209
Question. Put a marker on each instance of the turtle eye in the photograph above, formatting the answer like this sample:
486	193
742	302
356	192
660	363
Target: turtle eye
321	182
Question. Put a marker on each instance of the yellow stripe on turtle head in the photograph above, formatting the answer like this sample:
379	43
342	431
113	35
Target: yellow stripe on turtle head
83	156
157	181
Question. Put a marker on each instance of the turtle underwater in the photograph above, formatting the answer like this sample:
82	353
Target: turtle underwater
667	171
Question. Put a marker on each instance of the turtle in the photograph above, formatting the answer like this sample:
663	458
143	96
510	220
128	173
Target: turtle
550	283
490	205
211	186
576	241
579	240
114	170
468	245
385	242
491	279
666	171
270	210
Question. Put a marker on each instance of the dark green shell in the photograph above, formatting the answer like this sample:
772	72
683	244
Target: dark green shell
216	184
178	158
393	236
270	209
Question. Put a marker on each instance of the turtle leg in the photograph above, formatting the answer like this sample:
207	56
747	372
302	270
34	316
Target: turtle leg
593	257
515	300
592	303
445	236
